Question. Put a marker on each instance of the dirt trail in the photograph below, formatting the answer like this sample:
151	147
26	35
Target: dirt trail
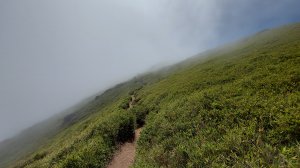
132	101
124	158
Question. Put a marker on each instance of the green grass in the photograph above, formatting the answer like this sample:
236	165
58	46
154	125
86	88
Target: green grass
235	106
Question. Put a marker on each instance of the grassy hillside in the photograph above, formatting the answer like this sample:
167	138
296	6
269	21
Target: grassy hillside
41	134
31	138
235	106
63	129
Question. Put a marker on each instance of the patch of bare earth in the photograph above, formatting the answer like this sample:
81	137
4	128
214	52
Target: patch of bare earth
124	157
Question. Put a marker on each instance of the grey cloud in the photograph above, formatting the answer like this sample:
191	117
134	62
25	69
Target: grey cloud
55	53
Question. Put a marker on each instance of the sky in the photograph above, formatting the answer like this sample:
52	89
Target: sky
55	53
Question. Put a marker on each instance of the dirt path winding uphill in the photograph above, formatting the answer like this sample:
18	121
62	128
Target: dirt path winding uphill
132	101
124	158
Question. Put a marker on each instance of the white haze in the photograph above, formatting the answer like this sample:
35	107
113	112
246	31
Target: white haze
54	53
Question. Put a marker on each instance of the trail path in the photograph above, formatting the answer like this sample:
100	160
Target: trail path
124	157
132	101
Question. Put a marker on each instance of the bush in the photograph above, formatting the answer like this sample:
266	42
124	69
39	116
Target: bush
95	150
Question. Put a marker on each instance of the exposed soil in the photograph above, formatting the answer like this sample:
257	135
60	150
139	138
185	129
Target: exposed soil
124	157
132	101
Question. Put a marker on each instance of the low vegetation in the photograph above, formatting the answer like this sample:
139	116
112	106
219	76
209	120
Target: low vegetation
236	106
238	109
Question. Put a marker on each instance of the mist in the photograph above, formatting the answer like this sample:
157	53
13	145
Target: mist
55	53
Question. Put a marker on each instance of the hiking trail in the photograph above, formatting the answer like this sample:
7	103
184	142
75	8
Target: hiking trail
124	157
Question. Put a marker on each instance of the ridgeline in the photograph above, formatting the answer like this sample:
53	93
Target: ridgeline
234	106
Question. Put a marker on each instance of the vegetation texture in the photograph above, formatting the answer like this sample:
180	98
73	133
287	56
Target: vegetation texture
235	106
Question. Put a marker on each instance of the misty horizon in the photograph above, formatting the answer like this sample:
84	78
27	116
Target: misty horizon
54	54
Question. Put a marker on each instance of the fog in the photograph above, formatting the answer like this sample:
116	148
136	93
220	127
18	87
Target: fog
54	53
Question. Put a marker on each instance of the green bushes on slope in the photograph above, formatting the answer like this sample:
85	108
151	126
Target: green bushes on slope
238	109
94	146
95	149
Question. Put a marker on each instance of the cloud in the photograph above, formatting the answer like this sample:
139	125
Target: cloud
55	53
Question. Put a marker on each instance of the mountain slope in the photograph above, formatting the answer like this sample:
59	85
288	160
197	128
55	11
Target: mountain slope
238	108
235	106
